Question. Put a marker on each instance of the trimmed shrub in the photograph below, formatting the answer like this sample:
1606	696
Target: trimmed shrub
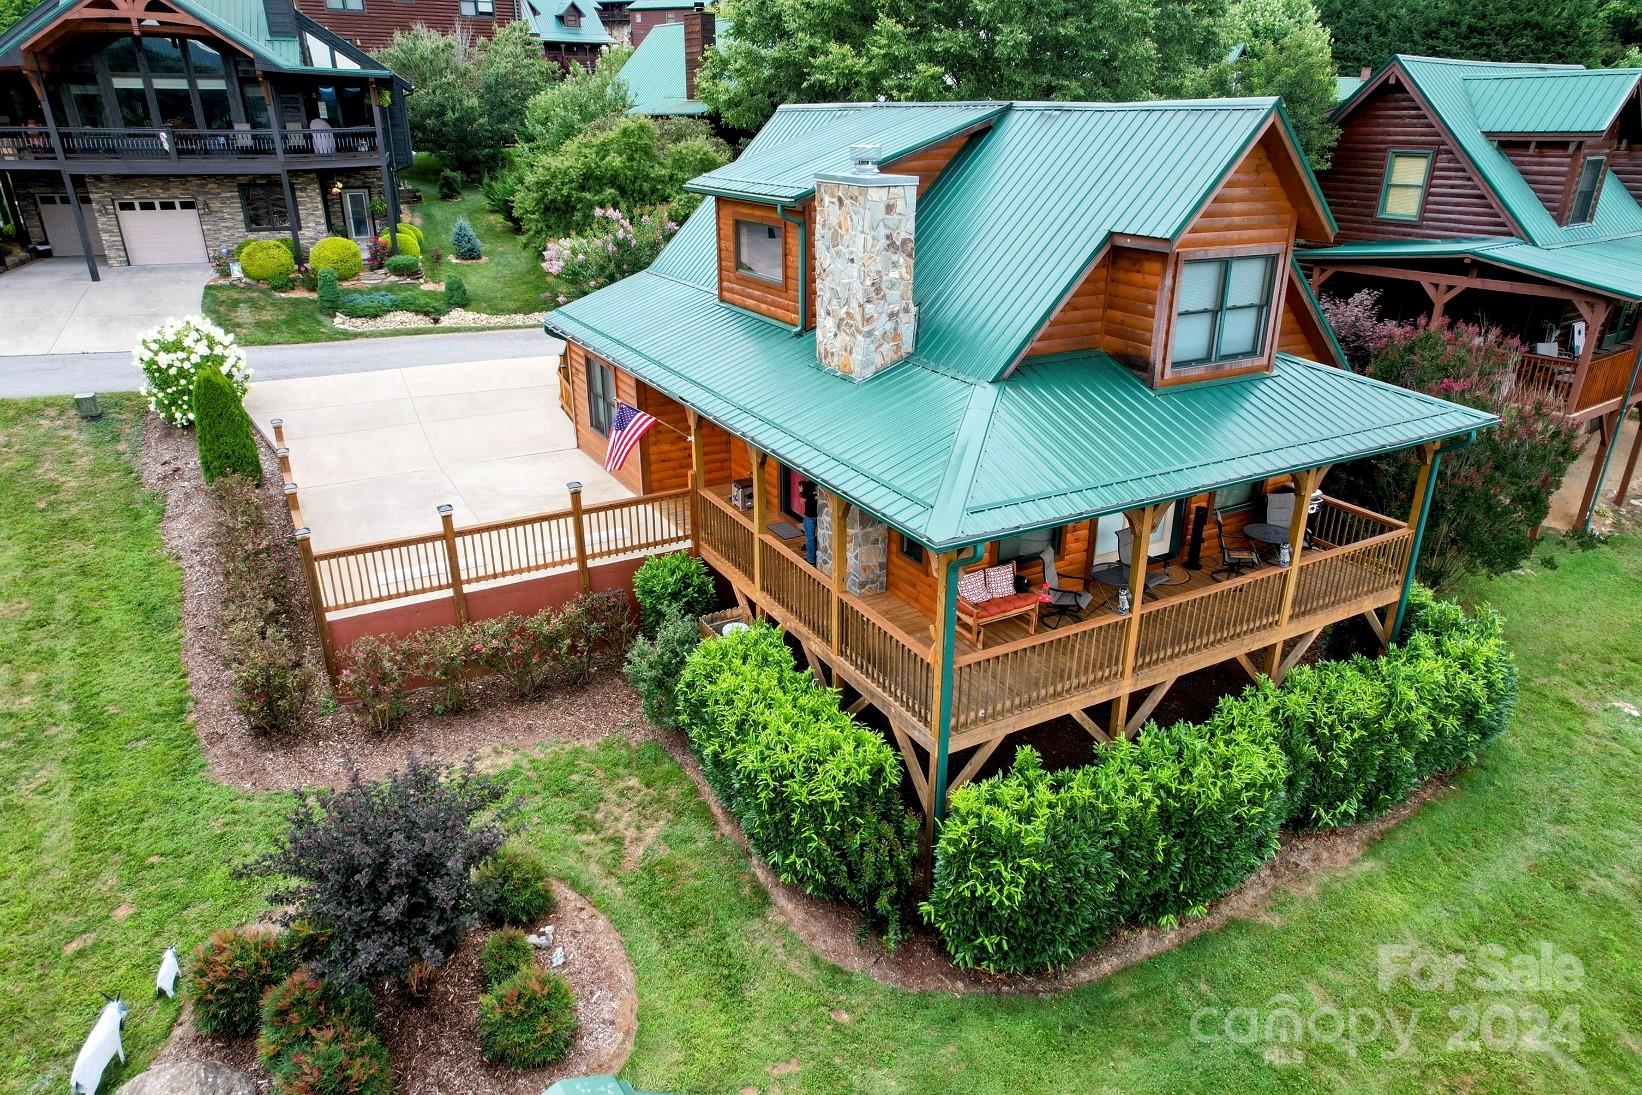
386	867
282	283
375	676
504	954
441	657
230	972
464	241
416	232
408	243
367	305
672	585
337	1060
271	681
511	887
338	255
653	667
299	1007
171	356
329	295
817	794
450	185
527	1021
223	429
264	260
456	291
404	266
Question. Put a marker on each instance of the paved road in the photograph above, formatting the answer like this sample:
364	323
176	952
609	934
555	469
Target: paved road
64	374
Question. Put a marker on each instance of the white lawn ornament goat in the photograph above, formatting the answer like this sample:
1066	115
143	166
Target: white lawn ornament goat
102	1046
166	980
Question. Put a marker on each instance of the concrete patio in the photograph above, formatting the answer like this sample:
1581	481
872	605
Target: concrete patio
373	454
52	307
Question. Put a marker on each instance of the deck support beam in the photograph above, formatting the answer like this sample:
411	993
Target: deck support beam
1144	711
1607	429
1425	485
1082	718
1301	645
1630	466
982	754
1140	524
915	768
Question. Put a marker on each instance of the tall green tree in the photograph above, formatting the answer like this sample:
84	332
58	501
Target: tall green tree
13	10
1280	47
1368	32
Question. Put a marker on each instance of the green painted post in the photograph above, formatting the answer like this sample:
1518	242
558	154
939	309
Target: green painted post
943	706
1607	457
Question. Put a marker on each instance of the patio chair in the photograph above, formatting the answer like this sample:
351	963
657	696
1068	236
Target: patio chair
1280	511
1236	557
1059	605
1116	575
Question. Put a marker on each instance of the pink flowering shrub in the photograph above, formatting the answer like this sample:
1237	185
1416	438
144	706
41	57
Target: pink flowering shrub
612	249
1359	326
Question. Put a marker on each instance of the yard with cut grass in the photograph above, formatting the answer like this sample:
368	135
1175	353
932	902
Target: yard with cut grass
117	843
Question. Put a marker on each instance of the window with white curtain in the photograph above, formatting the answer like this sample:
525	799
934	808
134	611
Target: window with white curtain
1222	308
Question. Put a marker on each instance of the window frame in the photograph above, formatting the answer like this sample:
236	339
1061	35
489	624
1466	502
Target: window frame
1215	365
910	549
742	269
1601	162
278	193
1430	158
355	6
597	400
478	9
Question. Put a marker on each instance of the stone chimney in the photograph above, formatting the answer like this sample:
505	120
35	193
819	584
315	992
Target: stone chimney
865	319
700	29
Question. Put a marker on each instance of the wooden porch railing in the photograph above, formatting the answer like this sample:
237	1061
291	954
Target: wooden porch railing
879	651
1544	379
1351	573
728	532
1001	682
798	587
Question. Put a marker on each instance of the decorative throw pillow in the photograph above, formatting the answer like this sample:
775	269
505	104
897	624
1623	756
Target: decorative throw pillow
1000	580
972	587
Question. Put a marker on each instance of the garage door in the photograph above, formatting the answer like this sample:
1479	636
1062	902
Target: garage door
161	231
58	217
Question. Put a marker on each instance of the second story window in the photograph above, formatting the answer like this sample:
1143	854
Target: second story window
1403	195
601	396
572	17
345	5
1222	310
1591	172
759	250
474	9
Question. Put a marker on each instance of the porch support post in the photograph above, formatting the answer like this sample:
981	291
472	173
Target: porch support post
390	181
1607	434
836	511
290	206
698	476
1424	487
760	516
1594	313
1613	443
1630	463
1440	293
947	564
39	82
1304	483
1140	523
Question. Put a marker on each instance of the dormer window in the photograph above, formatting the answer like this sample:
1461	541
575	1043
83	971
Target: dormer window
760	250
1222	312
1591	172
572	18
1403	195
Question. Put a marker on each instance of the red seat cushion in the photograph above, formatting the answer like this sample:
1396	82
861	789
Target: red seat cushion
998	606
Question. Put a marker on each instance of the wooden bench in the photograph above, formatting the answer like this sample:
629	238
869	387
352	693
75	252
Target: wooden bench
977	617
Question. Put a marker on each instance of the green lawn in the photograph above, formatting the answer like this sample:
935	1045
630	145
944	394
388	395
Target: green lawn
512	281
261	317
1539	842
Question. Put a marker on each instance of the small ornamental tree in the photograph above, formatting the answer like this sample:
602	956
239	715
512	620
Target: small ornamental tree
464	242
329	295
1359	326
223	429
173	353
386	868
615	247
456	291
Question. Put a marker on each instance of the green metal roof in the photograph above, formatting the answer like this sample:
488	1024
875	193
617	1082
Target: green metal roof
546	19
799	142
662	5
1612	267
1345	87
1444	85
951	460
654	74
1580	101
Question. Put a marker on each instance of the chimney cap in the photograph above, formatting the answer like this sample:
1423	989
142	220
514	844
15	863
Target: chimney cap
864	159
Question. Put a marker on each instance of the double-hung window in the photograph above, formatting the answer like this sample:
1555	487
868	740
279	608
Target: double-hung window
1591	173
1222	311
1402	196
601	396
264	206
475	9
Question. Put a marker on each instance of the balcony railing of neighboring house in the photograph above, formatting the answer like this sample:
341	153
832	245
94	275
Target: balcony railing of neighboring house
1354	561
1547	379
166	143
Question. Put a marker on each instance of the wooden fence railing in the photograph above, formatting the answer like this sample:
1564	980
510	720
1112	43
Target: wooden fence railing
999	682
797	587
1548	381
1351	573
879	651
1195	623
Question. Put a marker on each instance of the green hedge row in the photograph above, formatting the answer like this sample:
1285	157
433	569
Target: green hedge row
1034	868
817	793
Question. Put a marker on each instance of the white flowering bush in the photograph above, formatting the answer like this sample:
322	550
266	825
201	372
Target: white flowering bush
171	354
612	249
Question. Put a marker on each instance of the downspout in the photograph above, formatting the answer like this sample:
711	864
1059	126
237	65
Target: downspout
803	268
943	711
1607	457
1448	446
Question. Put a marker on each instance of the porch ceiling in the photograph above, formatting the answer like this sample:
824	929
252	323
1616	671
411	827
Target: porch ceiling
1611	267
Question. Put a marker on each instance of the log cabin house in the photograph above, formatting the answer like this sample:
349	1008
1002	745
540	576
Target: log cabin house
661	74
1009	335
1504	194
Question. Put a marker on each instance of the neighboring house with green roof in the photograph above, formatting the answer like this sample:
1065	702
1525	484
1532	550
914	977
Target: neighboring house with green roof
223	120
661	74
1504	194
570	30
644	16
980	348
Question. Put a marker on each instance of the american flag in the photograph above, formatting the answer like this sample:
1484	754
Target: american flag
628	425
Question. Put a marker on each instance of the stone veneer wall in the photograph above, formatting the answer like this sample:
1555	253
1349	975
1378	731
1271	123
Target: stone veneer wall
866	559
222	217
865	319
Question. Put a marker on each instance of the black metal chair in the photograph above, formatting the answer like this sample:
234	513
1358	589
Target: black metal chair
1235	558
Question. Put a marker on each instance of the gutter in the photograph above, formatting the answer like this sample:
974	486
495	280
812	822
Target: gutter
1607	458
1451	445
803	267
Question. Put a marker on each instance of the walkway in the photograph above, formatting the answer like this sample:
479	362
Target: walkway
51	307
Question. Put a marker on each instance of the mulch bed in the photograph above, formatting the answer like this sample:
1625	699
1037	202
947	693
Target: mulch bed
434	1045
321	752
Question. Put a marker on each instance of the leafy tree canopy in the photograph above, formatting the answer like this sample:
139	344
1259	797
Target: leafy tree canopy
13	10
1368	32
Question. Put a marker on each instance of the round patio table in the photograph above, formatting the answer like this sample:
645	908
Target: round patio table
1265	534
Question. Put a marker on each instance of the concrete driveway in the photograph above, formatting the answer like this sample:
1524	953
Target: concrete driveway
374	453
53	307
